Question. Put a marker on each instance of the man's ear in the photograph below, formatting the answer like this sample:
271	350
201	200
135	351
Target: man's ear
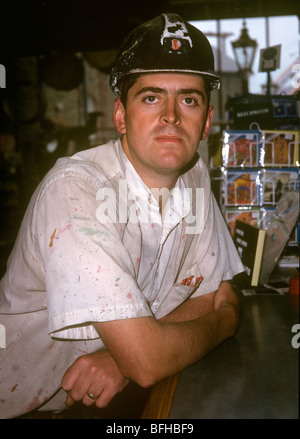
119	116
208	122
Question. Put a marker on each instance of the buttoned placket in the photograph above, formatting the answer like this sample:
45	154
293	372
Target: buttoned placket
158	229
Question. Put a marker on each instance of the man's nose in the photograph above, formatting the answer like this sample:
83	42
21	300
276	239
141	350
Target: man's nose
170	112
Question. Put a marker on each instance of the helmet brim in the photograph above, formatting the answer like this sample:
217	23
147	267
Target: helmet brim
213	77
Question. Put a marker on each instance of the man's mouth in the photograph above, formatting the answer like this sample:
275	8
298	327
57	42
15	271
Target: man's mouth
168	139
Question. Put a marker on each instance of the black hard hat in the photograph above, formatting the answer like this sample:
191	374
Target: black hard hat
165	44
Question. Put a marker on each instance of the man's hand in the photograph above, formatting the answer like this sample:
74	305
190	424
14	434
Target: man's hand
96	373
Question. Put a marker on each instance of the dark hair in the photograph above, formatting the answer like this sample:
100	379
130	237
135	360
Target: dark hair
125	83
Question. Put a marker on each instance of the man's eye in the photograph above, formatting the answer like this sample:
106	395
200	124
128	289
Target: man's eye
190	101
150	99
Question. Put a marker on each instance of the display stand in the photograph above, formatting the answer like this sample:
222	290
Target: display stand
259	165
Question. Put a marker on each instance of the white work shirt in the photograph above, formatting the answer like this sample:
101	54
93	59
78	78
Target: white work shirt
73	264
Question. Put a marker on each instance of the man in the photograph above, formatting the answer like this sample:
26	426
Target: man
112	277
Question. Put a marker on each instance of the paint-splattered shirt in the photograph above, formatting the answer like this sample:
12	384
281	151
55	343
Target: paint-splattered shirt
94	247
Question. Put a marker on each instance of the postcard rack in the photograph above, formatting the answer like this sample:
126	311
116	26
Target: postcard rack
258	166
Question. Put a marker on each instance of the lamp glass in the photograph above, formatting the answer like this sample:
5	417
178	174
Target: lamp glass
244	50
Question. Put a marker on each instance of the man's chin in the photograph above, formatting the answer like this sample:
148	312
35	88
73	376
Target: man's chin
171	167
172	162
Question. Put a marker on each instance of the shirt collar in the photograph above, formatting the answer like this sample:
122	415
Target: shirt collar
177	206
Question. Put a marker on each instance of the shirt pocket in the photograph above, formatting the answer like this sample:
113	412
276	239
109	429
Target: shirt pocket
178	294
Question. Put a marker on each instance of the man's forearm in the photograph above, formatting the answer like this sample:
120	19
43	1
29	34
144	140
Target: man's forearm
191	341
199	306
147	350
199	336
191	309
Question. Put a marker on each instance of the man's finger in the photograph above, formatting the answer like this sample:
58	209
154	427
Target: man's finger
71	375
104	398
69	400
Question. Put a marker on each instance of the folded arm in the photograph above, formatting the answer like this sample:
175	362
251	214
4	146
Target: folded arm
147	350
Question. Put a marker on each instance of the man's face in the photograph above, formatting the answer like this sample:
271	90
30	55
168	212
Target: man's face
166	116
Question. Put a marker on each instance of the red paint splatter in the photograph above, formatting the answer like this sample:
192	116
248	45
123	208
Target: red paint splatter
83	352
129	295
65	228
34	404
53	368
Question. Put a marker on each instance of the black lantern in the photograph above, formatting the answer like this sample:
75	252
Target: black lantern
244	50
